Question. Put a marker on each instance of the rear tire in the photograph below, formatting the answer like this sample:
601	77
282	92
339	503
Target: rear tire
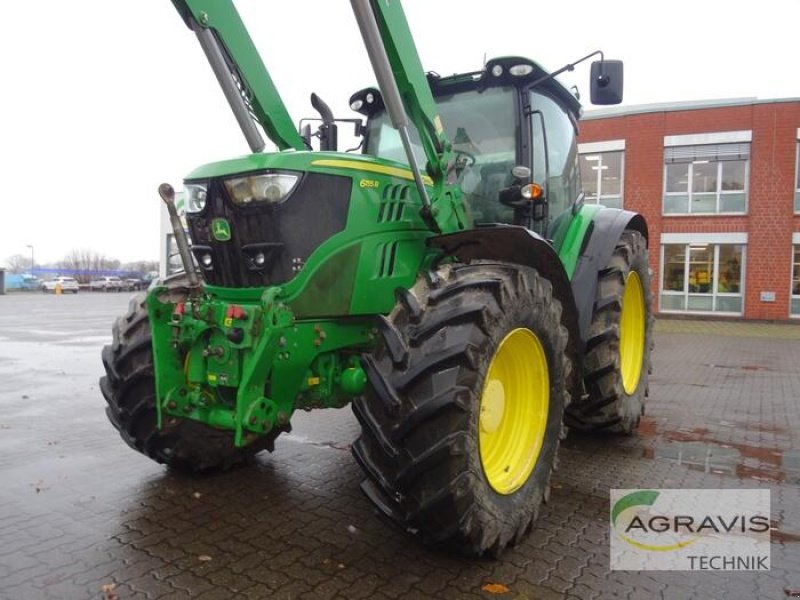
421	418
129	390
616	397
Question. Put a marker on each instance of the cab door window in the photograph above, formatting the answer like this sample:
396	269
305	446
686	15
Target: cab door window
563	181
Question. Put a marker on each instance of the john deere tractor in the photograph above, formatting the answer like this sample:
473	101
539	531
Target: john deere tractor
449	282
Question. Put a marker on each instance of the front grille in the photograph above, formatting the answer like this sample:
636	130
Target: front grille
286	233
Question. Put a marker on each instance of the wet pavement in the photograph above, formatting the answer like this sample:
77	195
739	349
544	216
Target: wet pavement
83	516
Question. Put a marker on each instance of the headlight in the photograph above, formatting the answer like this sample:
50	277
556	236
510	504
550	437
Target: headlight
195	197
267	187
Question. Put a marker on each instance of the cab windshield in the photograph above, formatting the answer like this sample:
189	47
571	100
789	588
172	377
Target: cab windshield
482	127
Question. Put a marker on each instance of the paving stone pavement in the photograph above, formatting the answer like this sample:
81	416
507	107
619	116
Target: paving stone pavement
79	510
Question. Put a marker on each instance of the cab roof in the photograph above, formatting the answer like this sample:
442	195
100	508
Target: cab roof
499	72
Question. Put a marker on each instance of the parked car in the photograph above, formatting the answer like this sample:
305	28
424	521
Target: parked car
107	284
133	284
67	284
30	283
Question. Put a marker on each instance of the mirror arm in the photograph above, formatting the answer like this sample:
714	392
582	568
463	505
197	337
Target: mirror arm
570	67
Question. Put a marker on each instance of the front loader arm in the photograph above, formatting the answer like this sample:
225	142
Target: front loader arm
413	84
240	71
408	99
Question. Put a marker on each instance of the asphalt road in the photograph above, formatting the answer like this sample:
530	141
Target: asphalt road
83	516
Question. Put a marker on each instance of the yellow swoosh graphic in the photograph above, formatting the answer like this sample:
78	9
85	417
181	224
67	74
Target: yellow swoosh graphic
652	548
371	167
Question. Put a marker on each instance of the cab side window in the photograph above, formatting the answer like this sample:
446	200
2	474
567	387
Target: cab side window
562	183
539	171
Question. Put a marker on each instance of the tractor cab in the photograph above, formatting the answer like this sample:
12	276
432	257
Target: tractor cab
511	125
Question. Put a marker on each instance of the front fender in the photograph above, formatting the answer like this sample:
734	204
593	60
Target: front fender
596	249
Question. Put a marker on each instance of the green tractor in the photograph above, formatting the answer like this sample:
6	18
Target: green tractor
449	282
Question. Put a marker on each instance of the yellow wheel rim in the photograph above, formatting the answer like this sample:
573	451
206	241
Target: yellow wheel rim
631	333
513	411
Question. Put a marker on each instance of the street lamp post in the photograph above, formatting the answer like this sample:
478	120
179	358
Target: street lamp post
32	263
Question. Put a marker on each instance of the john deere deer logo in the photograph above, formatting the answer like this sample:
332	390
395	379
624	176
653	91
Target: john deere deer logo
221	230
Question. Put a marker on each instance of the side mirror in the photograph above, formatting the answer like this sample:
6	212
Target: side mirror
305	133
606	83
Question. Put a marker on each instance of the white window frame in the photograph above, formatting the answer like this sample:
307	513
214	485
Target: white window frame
600	196
715	239
704	139
718	194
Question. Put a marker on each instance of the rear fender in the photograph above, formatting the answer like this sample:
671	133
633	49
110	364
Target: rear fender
596	250
517	245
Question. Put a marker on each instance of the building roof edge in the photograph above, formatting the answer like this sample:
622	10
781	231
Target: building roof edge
636	109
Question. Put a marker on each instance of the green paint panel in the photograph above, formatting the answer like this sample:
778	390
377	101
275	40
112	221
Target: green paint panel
329	290
569	233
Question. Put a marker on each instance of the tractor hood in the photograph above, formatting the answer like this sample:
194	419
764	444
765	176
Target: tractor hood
263	219
334	163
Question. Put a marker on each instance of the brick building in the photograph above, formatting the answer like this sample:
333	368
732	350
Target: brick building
719	184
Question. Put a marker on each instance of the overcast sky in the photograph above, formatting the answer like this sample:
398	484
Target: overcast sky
102	101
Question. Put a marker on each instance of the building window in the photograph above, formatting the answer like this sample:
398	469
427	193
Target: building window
602	177
796	281
706	179
702	278
797	182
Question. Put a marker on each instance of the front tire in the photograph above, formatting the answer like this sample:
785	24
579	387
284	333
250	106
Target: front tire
129	390
463	417
617	361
